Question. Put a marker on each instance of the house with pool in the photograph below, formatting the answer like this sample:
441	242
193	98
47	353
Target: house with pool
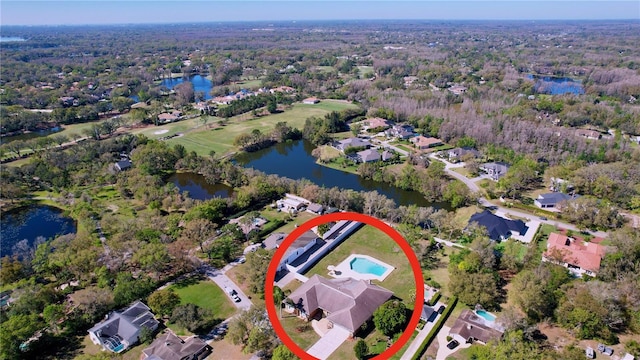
343	302
120	329
478	326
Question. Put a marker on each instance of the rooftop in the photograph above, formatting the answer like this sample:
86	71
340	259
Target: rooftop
586	255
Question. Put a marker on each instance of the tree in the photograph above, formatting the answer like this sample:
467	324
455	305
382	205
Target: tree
254	274
475	288
52	314
390	317
164	301
17	329
146	335
361	349
253	330
192	317
282	352
272	106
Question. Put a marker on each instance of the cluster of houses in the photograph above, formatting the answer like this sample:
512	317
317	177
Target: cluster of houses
368	154
121	330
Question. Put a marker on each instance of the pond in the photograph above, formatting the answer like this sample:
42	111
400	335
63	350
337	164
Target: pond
198	187
556	85
30	135
11	39
21	227
294	160
200	84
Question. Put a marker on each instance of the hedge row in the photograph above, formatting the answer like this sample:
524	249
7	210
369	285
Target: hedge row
434	299
271	226
432	334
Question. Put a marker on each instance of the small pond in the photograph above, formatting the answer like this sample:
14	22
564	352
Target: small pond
29	223
200	84
30	135
556	85
198	187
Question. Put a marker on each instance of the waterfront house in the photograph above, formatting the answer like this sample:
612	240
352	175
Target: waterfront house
342	145
369	155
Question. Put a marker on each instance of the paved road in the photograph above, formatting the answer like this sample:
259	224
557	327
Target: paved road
218	276
447	168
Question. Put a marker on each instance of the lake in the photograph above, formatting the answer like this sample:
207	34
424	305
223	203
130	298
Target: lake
294	160
198	187
200	84
31	222
30	135
11	39
556	85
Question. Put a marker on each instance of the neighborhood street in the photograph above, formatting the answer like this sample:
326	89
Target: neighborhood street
218	276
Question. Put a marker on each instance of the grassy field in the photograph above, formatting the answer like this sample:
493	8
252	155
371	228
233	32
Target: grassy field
373	242
205	294
202	139
299	331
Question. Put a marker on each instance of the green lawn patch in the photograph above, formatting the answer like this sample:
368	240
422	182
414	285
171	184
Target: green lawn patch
205	294
373	242
399	354
299	330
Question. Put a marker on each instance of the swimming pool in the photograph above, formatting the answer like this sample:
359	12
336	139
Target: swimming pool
486	315
366	266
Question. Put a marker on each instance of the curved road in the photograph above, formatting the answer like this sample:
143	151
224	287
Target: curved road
510	211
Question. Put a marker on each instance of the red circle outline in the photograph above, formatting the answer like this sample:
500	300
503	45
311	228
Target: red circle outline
404	245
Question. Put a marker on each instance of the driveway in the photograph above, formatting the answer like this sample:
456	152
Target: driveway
422	334
328	343
222	280
443	350
447	168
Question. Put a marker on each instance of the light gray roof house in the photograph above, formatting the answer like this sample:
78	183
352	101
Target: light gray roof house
120	330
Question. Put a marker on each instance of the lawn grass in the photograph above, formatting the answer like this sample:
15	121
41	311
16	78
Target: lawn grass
203	139
305	338
341	164
298	220
376	341
399	354
373	242
462	171
205	294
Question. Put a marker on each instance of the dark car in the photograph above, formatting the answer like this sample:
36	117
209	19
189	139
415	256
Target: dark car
543	218
441	309
452	344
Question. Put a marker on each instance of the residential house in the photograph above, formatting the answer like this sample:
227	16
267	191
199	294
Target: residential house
458	89
423	142
222	100
498	227
428	313
311	101
552	200
274	240
470	328
171	347
589	134
377	123
123	164
290	204
456	154
342	145
369	155
387	155
409	80
400	131
495	170
315	208
345	302
120	330
579	256
167	118
284	89
246	228
307	242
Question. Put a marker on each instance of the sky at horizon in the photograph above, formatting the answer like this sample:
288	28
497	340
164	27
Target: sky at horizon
81	12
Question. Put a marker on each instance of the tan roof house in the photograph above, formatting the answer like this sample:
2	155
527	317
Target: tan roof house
423	142
377	122
311	100
345	302
579	256
172	347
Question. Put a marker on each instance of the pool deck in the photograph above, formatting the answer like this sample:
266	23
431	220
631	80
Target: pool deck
343	269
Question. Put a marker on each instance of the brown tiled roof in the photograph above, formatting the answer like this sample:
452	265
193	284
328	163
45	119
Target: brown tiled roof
171	347
586	255
470	326
348	302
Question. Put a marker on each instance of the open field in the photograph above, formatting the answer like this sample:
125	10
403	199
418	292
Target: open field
203	139
207	295
373	242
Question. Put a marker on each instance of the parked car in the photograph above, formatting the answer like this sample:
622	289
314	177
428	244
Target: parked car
441	309
605	349
235	297
543	218
590	353
452	344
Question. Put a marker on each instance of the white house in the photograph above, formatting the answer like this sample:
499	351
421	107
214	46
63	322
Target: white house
301	245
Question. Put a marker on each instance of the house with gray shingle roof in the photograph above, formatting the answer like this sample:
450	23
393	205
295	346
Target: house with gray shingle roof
368	155
345	302
120	330
342	145
171	347
551	200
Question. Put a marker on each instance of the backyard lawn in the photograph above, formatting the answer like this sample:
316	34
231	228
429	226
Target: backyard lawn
299	331
373	242
205	294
